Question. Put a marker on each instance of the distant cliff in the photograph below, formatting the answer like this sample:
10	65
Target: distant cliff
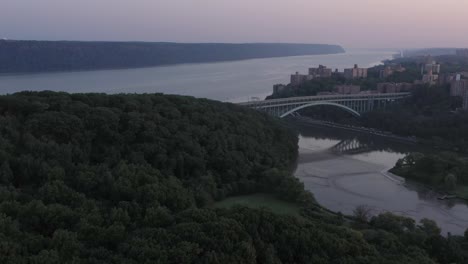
43	56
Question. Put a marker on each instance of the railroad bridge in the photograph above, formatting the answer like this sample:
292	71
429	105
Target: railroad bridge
356	104
351	146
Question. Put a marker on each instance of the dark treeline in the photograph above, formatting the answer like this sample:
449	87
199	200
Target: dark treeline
429	115
41	56
93	178
446	171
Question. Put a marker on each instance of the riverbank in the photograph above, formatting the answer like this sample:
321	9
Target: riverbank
345	169
461	192
444	172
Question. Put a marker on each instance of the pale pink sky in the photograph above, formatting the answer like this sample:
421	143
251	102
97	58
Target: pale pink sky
351	23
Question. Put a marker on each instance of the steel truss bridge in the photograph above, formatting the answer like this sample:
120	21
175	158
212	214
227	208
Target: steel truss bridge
351	146
356	104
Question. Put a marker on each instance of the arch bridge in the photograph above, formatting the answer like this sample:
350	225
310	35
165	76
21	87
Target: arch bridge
355	104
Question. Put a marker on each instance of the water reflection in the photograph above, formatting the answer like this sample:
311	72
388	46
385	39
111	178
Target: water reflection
347	169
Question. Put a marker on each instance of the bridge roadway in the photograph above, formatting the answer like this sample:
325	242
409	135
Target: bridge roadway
353	103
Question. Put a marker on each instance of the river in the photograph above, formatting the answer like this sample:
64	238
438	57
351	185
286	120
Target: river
345	169
225	81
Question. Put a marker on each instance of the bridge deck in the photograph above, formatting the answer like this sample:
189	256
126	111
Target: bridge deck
330	98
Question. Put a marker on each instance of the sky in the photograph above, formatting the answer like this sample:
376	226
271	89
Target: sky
350	23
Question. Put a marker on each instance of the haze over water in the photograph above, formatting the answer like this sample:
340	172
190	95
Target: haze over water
226	81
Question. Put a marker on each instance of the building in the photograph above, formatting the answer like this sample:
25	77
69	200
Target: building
386	72
320	72
430	65
434	68
446	78
277	88
399	68
394	87
429	78
459	87
347	89
338	73
298	79
462	52
355	73
464	75
430	70
390	70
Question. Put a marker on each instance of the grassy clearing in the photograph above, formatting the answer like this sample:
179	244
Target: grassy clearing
261	201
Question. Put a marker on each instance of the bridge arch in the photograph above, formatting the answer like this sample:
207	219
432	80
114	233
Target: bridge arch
350	110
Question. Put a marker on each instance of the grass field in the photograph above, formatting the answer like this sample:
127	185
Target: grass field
261	201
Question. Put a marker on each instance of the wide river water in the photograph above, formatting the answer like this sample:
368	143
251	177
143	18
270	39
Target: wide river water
225	81
346	169
340	176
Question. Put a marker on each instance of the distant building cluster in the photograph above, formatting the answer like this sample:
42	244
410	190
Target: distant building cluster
446	78
355	72
430	70
394	87
459	87
347	89
320	72
277	88
462	52
298	79
389	70
324	72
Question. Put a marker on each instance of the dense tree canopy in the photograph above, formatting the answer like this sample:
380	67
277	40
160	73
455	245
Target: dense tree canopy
442	169
93	178
429	115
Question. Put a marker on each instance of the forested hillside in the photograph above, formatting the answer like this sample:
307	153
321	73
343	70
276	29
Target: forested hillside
428	114
41	56
94	178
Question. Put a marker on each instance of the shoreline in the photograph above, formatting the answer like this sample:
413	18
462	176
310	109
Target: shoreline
444	195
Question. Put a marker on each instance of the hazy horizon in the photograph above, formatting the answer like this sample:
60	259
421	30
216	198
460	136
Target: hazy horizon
357	24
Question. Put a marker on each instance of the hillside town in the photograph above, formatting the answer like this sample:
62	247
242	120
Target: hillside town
349	80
